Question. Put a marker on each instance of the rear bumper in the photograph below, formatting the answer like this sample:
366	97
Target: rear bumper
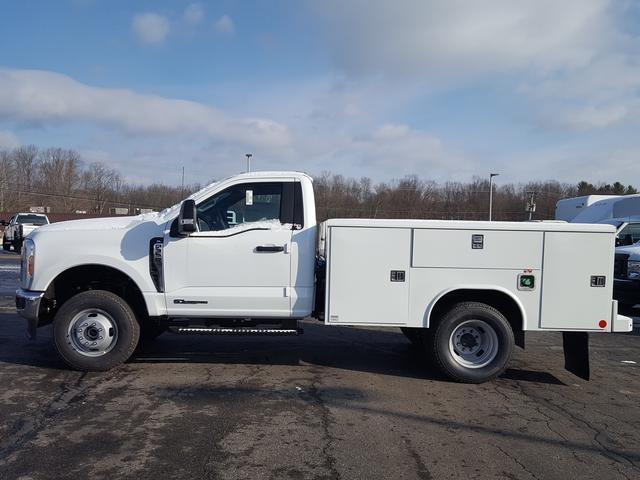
28	306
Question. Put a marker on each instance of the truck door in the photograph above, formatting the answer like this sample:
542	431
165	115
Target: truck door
238	262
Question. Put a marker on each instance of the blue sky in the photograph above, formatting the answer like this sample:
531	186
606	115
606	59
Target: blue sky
445	89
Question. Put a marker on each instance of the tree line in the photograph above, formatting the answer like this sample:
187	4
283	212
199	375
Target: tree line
59	179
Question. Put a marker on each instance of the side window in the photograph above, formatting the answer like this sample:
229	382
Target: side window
241	204
629	234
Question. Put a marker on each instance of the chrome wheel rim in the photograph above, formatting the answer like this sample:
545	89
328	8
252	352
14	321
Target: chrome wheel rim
93	332
474	344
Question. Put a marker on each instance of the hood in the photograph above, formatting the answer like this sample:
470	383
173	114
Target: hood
633	250
106	223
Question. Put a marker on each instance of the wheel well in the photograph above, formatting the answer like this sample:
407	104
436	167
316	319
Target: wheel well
495	298
93	277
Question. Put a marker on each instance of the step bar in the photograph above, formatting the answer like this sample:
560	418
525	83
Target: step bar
237	331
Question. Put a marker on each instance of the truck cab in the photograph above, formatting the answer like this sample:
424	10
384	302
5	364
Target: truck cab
237	255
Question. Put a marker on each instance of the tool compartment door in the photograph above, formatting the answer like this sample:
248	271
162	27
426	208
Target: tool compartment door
360	288
571	259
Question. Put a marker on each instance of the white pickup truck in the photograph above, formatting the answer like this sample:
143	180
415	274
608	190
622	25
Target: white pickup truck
19	227
245	256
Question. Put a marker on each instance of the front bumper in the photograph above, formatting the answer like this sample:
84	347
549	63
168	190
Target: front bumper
28	306
627	292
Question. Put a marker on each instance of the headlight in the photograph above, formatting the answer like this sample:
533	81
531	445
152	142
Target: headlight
28	263
633	270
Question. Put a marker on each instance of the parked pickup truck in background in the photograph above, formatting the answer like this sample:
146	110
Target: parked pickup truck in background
245	256
19	227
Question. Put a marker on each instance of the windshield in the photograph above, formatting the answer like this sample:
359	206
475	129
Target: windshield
34	219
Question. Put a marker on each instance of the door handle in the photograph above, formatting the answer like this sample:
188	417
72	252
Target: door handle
269	248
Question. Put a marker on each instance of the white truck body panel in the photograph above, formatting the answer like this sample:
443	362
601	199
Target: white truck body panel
229	274
437	258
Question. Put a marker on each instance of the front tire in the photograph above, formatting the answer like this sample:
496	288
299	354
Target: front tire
6	246
472	343
17	246
95	331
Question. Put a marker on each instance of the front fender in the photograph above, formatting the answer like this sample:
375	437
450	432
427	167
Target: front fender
137	270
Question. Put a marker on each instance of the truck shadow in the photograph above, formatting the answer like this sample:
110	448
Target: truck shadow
378	351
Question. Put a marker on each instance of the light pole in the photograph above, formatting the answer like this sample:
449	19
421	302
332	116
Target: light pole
248	155
491	175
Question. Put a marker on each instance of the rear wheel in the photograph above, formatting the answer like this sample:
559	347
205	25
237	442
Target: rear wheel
472	343
95	331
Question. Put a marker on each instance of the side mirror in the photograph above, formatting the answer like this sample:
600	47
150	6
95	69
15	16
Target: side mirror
187	220
3	223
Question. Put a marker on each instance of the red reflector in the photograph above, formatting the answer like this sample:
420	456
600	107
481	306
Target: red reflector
602	324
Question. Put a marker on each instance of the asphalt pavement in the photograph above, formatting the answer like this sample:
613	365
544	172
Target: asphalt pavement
334	403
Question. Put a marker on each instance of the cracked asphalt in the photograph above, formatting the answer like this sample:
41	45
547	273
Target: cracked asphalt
334	403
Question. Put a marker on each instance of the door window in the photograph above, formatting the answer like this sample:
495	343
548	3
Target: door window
629	234
240	205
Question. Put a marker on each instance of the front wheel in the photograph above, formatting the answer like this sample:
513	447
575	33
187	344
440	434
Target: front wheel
6	246
95	331
472	343
17	246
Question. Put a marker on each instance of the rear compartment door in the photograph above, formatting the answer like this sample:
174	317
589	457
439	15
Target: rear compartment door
571	259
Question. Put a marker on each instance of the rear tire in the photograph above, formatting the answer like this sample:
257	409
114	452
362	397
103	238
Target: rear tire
472	343
95	331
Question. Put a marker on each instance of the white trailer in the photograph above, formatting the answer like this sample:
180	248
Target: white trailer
241	257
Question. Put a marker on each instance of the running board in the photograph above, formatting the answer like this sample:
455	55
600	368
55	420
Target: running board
237	331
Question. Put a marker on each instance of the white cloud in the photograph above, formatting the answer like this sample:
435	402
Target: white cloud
193	14
395	150
449	38
8	140
48	98
574	60
150	27
224	25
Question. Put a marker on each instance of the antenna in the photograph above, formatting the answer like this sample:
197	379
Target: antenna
248	155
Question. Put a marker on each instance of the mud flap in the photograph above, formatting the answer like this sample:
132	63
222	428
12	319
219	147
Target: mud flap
576	353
